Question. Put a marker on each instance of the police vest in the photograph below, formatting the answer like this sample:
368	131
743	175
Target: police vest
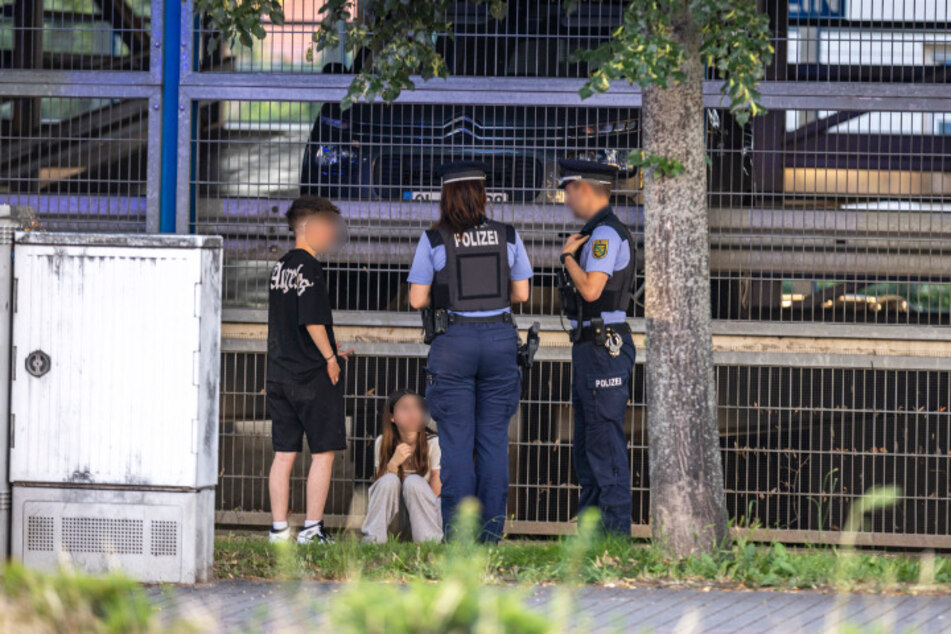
476	275
617	291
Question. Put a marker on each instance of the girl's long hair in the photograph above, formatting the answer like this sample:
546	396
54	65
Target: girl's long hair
391	437
461	206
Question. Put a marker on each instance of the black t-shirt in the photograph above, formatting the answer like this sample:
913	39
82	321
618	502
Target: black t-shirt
298	297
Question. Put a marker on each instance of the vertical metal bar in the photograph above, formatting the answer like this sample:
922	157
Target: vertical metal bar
7	227
187	112
153	182
189	42
157	50
170	110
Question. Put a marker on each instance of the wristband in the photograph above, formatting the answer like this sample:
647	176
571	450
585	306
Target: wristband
333	356
565	256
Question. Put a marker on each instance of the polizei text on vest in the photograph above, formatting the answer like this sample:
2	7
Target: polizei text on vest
477	238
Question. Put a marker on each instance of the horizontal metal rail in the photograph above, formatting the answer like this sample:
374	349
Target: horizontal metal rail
141	87
235	316
920	349
929	228
533	91
761	240
639	531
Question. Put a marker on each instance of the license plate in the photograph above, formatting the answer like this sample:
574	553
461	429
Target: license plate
435	195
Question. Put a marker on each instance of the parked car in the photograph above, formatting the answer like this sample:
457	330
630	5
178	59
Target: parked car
390	153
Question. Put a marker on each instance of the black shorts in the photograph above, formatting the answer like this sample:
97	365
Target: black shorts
314	408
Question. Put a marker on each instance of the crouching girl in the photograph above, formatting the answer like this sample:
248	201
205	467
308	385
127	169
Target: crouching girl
406	463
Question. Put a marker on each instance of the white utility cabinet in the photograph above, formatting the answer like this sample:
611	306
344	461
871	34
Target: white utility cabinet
114	401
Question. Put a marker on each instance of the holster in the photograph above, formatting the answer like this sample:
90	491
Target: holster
600	334
435	323
527	350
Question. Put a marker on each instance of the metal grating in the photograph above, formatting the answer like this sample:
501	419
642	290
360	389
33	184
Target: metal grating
831	209
815	216
164	538
75	35
375	161
39	533
832	216
827	40
861	40
537	38
102	535
800	444
79	163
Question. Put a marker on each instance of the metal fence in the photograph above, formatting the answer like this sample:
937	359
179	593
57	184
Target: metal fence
80	112
830	226
829	217
803	434
816	40
76	35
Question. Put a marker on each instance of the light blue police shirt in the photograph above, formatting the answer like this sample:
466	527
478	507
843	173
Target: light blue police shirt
428	260
613	254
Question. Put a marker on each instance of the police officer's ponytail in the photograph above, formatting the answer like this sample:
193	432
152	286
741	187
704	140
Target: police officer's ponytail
461	206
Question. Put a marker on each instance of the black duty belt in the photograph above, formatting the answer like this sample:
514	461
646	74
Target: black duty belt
501	318
621	328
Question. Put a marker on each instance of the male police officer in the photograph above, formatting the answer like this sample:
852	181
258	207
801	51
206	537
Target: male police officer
596	291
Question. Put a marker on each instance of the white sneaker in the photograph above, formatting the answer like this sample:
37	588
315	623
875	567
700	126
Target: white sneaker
314	535
283	535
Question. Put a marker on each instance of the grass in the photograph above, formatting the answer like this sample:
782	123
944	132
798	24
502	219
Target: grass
589	558
68	602
460	602
618	561
473	592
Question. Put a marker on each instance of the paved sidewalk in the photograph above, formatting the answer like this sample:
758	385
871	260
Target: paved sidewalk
250	606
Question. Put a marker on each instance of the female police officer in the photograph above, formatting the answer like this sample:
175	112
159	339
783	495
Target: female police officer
469	270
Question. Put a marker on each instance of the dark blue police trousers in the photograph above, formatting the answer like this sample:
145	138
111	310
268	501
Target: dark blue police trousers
473	389
601	386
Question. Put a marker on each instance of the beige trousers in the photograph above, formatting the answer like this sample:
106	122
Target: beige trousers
422	505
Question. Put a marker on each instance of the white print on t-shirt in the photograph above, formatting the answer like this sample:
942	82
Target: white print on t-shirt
478	237
285	280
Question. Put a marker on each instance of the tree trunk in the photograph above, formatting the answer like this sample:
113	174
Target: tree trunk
686	476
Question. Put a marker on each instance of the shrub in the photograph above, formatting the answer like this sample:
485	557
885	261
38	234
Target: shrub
68	602
458	602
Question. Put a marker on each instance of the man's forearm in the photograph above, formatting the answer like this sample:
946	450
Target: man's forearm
577	274
319	334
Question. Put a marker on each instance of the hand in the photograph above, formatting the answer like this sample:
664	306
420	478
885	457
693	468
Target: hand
573	243
400	455
344	354
333	370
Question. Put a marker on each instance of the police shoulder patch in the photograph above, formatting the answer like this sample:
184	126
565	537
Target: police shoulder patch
599	249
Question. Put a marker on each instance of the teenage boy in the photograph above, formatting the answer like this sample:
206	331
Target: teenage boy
304	393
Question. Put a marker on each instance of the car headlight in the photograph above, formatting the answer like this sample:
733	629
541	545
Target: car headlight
620	158
331	155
